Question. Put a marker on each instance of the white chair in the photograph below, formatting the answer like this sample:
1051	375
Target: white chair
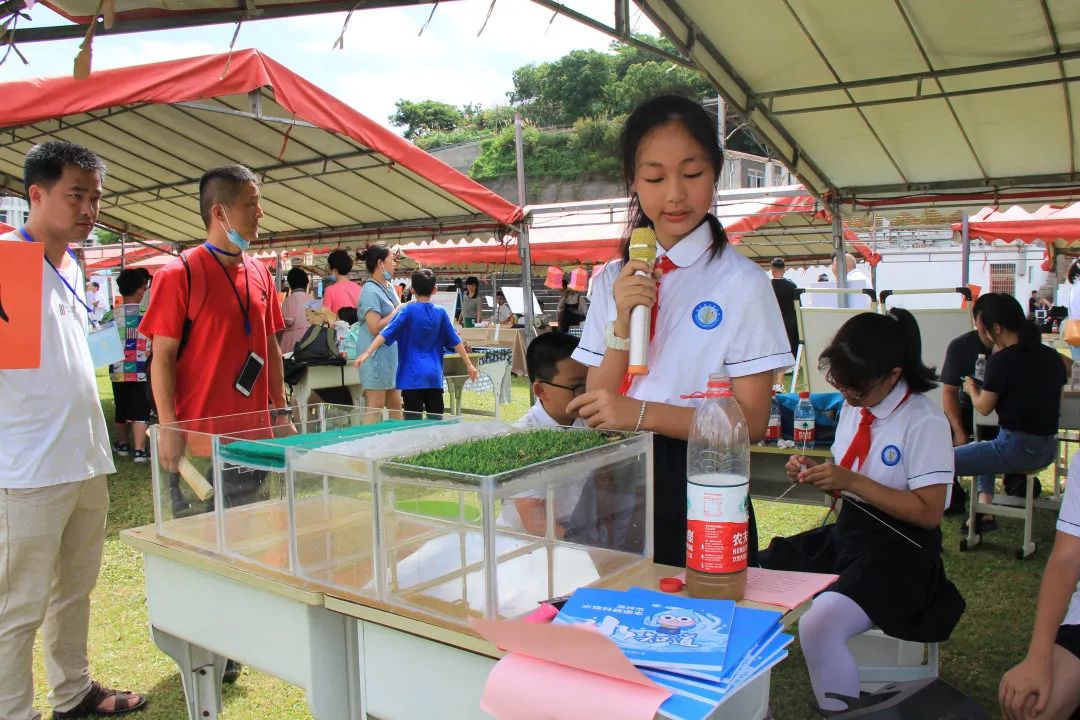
1001	505
882	659
817	326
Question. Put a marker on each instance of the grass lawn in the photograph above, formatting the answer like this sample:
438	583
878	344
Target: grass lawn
992	636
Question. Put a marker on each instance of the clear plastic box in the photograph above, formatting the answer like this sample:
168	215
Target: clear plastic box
321	496
250	514
458	546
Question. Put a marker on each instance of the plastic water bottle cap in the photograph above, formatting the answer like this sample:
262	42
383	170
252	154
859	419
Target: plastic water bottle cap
671	584
805	394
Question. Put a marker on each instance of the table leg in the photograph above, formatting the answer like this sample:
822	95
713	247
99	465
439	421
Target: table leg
200	672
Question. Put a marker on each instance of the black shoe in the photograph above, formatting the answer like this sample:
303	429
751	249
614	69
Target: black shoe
232	671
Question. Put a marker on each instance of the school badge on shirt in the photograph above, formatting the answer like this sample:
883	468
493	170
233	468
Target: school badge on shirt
890	455
707	315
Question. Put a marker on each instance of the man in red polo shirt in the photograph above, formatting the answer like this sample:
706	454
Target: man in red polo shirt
213	318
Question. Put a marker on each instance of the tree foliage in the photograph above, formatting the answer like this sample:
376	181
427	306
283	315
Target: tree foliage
587	91
426	116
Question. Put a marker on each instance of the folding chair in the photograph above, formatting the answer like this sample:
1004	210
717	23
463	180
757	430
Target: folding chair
1001	505
817	326
937	326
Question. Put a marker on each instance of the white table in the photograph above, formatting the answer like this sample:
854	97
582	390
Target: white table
318	377
355	658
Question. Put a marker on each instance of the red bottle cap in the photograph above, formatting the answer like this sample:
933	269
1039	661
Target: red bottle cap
671	584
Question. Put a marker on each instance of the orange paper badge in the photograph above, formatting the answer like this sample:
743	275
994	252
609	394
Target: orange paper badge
20	304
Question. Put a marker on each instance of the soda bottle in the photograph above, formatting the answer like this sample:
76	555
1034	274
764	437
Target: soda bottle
718	495
772	433
804	423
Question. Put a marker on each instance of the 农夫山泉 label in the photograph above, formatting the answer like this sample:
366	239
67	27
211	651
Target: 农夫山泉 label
717	527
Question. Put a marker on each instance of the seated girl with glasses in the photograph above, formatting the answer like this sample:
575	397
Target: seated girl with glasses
893	466
556	380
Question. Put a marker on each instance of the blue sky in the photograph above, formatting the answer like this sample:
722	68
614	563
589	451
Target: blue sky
383	58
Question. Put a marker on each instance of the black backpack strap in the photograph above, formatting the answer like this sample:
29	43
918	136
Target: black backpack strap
189	318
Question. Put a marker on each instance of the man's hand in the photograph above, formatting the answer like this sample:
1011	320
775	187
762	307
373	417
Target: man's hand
170	448
959	437
1025	690
828	477
473	374
605	410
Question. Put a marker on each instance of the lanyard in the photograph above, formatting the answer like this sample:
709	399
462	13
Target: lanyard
74	295
244	309
385	292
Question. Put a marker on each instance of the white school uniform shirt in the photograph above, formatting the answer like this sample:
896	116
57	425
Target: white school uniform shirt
52	428
565	497
910	442
716	315
1069	522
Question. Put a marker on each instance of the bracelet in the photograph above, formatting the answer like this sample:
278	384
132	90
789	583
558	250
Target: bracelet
641	416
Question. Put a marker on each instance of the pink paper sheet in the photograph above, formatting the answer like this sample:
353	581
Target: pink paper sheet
520	687
595	680
783	587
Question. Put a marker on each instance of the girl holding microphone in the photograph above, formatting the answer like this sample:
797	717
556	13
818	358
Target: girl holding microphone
713	309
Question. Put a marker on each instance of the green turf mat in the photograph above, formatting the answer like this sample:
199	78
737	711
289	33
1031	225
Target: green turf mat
271	452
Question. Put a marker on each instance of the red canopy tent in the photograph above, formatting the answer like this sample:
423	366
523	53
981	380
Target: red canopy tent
327	170
1056	227
5	228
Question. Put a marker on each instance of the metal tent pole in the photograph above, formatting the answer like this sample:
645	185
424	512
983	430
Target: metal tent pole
965	252
523	237
839	254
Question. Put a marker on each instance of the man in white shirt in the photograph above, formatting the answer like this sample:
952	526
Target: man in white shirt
54	459
856	280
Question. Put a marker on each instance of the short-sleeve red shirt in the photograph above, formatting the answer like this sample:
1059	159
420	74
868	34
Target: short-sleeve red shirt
217	345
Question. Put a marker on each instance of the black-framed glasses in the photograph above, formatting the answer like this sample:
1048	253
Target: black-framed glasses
575	390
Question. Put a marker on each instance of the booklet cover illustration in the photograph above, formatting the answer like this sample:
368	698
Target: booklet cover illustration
654	629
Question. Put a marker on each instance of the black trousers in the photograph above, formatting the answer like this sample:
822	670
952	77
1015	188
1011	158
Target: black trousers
669	505
417	401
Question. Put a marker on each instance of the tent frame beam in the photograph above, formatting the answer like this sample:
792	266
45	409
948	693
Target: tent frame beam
200	19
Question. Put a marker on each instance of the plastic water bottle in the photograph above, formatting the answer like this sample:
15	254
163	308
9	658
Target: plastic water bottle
718	496
980	368
1074	380
772	433
341	329
804	423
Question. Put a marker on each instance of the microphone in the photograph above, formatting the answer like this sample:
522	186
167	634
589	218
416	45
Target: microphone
642	247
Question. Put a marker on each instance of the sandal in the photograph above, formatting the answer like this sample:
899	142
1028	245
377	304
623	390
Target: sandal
123	702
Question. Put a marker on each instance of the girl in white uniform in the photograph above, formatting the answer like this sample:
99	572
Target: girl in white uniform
892	461
714	310
1047	683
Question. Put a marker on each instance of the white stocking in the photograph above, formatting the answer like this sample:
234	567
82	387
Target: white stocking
823	633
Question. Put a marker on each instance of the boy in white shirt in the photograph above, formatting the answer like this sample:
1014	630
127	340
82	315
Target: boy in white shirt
556	380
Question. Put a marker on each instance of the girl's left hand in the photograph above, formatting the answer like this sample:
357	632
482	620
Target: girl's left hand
970	387
829	477
606	410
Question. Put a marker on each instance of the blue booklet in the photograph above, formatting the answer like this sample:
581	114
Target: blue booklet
751	630
654	629
693	698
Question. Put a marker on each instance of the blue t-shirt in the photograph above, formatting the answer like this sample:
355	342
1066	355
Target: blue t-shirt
425	333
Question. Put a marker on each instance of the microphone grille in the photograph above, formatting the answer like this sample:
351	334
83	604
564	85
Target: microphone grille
643	244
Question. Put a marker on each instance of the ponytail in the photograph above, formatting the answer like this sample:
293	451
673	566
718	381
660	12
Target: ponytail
916	374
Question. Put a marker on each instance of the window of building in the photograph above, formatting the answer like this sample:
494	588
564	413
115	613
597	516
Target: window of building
755	178
1003	278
